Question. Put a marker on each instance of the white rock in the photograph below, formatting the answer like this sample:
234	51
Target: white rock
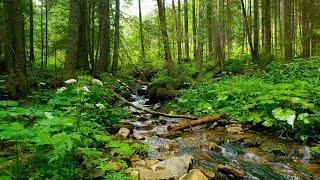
124	132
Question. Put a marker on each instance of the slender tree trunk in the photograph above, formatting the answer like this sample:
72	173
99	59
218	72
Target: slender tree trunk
255	57
216	38
194	29
46	33
15	48
305	28
165	38
116	52
104	61
42	38
141	33
199	59
267	27
31	39
210	29
73	38
92	42
186	29
247	29
287	25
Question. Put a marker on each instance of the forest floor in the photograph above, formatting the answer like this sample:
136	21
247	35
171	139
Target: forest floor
82	130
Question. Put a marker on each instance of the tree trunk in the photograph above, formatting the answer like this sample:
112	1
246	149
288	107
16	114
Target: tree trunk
82	51
42	39
141	33
194	29
165	38
70	64
193	123
116	52
267	30
287	26
210	30
179	32
255	53
246	26
104	61
186	29
46	29
305	28
31	39
3	62
15	48
199	59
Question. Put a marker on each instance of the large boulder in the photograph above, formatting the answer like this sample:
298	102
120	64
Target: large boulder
171	168
194	174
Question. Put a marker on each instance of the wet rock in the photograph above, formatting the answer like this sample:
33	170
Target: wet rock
210	174
251	157
161	122
303	154
138	163
251	142
171	135
177	166
117	127
194	174
143	119
124	132
147	174
231	171
234	128
276	149
138	136
212	146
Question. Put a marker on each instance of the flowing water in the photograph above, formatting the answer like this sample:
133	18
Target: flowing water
260	155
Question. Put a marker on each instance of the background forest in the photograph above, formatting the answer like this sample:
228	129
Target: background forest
64	64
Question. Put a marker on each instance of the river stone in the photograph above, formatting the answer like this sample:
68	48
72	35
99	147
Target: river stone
124	132
177	166
210	174
194	174
228	170
234	128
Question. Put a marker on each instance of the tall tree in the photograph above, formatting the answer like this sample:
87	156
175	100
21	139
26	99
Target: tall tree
216	38
42	38
15	48
31	32
70	64
194	28
165	38
46	28
2	39
104	20
141	33
186	29
179	32
116	52
267	30
256	31
199	57
287	25
82	51
306	38
247	29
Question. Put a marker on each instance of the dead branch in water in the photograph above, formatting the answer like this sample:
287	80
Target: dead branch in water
156	113
200	121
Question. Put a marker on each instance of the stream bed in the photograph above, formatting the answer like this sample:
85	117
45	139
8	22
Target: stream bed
258	155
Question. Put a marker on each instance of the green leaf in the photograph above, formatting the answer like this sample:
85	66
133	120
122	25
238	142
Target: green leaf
285	115
304	117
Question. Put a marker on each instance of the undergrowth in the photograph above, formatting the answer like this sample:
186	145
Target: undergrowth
63	134
284	97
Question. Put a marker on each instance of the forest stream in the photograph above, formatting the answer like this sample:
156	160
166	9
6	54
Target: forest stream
244	153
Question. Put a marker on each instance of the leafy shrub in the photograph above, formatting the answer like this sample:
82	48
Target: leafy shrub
291	104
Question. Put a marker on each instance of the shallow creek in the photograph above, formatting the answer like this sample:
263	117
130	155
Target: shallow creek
260	155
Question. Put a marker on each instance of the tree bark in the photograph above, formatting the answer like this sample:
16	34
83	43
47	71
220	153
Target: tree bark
267	30
186	29
165	38
200	121
141	33
31	33
104	61
15	49
46	29
305	28
82	51
116	52
179	32
255	53
70	64
199	57
287	26
194	29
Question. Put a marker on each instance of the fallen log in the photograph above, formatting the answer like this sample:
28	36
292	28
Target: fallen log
156	113
189	124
